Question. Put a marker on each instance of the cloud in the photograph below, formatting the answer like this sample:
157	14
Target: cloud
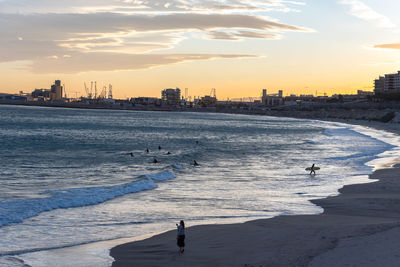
388	46
32	36
238	35
57	25
115	61
135	6
360	10
44	31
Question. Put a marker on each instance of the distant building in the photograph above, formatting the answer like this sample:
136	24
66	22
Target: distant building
41	93
364	93
379	85
10	97
388	84
146	101
171	96
208	101
272	99
56	91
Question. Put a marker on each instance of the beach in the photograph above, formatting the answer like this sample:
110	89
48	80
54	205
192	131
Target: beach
104	197
359	227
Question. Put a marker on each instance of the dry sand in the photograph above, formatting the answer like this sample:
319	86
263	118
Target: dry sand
360	227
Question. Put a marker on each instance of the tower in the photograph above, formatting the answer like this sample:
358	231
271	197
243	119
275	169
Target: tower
56	92
110	94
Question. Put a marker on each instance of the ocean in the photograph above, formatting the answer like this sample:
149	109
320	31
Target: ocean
68	179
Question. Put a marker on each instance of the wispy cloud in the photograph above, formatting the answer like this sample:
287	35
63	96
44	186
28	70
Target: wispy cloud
388	46
43	31
362	11
135	6
113	61
239	35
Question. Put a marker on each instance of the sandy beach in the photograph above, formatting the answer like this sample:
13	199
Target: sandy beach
359	227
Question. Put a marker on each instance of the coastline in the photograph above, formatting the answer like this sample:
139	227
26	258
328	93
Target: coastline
360	211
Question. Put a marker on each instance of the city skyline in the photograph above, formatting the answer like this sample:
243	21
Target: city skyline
236	46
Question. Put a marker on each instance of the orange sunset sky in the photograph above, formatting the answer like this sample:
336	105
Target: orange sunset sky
238	47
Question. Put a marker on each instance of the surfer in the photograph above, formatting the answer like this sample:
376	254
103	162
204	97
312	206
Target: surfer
168	153
312	169
131	154
159	147
180	238
155	160
195	163
147	150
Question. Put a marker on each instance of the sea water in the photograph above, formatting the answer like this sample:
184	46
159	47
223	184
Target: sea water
68	179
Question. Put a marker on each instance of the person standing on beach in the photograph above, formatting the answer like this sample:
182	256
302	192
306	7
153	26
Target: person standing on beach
312	169
180	239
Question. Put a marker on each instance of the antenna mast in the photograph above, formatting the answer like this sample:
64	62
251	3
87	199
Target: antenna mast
95	89
91	90
110	94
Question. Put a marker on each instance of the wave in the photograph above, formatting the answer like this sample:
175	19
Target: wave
17	210
161	176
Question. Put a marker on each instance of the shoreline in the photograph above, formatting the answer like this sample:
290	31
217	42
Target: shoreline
359	210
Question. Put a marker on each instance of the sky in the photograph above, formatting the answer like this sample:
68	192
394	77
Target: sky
238	47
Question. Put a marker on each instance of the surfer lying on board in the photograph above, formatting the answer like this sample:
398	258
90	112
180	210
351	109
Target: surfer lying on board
312	169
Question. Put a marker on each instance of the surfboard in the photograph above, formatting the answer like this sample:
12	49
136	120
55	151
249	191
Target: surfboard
315	168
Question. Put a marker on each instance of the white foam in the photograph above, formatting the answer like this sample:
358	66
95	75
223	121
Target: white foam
161	176
384	159
17	210
177	166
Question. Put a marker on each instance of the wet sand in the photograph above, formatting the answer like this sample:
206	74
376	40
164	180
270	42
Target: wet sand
359	227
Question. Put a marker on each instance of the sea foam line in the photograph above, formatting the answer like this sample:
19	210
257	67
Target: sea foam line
17	210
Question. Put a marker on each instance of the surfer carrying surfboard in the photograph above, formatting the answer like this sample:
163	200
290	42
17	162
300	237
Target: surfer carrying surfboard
312	169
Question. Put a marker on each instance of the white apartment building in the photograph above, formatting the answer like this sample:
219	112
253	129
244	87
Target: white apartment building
388	84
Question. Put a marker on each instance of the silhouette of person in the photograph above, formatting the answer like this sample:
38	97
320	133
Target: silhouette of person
131	154
155	160
159	147
312	169
180	238
147	150
168	153
195	163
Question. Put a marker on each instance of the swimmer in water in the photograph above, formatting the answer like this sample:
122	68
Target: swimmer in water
195	163
155	160
168	153
131	154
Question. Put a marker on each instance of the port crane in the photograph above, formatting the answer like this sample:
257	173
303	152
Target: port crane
110	94
213	93
103	94
88	93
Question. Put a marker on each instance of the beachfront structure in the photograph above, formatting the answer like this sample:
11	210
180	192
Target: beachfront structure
11	97
171	96
208	101
56	91
379	85
390	83
146	101
41	93
272	99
